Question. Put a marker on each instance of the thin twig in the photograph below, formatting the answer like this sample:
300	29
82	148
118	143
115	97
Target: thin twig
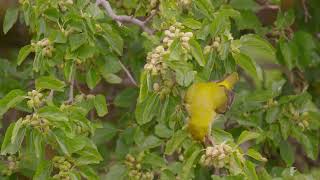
124	18
70	99
128	74
50	96
305	10
153	13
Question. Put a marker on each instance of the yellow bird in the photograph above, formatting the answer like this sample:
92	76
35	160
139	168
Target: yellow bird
205	100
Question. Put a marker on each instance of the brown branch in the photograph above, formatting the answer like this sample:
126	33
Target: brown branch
124	18
305	10
50	96
70	99
128	74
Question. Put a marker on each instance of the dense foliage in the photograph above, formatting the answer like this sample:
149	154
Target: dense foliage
99	91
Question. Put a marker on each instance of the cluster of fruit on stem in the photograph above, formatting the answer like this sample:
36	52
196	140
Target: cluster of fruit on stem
135	170
42	124
35	99
63	165
12	165
44	46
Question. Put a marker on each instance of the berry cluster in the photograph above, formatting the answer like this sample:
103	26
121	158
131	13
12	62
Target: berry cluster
217	156
63	165
185	3
12	165
136	172
46	47
300	118
37	122
35	99
155	62
153	4
63	4
214	46
81	129
174	32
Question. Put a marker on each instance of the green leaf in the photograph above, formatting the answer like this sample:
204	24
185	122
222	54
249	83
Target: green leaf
246	63
23	53
10	18
13	98
272	114
9	146
167	175
117	171
176	140
221	136
250	171
191	23
257	48
256	155
219	25
185	78
104	134
38	143
43	170
150	142
196	52
126	98
77	40
88	155
114	39
101	105
289	52
285	19
49	82
154	160
287	153
109	64
16	129
144	89
92	78
111	78
188	165
52	114
88	173
69	145
147	109
246	136
163	131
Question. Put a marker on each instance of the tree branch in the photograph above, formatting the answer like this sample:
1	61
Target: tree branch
128	74
70	99
305	10
124	18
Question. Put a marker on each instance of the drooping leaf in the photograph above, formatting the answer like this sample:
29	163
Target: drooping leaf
13	98
49	82
176	140
246	136
10	18
101	105
256	155
147	109
257	48
287	153
23	53
246	63
196	51
92	78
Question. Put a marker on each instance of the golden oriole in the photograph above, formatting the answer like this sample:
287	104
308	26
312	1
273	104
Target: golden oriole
205	100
